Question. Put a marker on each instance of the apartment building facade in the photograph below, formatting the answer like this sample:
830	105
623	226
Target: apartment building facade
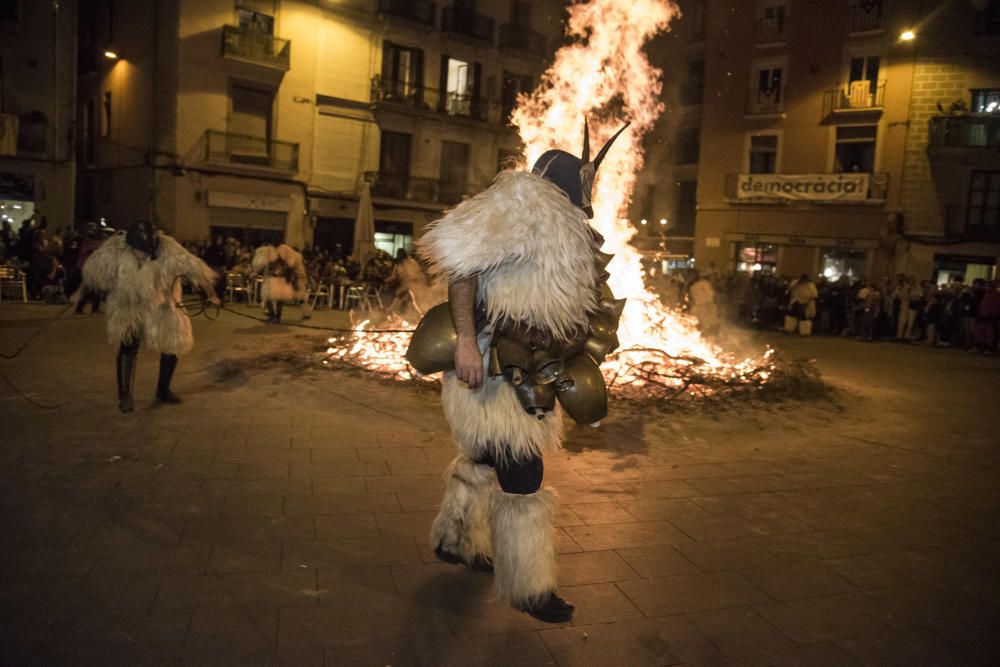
265	118
818	150
37	95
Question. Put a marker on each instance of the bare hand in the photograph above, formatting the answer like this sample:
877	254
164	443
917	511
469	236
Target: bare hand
469	363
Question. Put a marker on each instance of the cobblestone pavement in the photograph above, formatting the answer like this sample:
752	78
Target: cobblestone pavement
280	515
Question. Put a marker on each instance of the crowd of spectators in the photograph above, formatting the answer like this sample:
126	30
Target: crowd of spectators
953	314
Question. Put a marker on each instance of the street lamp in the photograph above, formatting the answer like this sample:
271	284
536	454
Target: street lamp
907	36
110	55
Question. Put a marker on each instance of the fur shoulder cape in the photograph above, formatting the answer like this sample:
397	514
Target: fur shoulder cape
108	267
531	248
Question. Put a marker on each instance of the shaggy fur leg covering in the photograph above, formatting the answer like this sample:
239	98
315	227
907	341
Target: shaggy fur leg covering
524	550
461	527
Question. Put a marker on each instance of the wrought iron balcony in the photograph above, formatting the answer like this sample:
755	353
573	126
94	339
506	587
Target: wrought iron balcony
858	96
771	30
867	16
255	46
516	37
972	131
463	21
243	149
418	11
765	101
412	188
406	94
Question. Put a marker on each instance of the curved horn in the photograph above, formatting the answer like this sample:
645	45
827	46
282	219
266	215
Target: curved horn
586	141
604	149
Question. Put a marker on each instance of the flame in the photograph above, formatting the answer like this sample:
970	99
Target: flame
603	75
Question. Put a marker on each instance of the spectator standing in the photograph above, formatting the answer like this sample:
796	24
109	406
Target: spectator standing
910	297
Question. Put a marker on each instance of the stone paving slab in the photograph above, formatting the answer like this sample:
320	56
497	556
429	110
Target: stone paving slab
281	517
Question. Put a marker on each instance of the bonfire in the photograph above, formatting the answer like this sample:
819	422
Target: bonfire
603	75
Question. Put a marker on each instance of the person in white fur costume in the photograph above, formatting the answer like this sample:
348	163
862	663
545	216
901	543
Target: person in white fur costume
140	270
285	280
532	320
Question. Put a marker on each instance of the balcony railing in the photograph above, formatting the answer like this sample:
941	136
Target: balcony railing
418	11
243	149
867	16
771	30
973	131
858	96
463	21
256	46
878	188
431	99
765	101
521	38
412	188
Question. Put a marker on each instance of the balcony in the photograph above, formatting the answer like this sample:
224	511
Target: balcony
412	188
417	11
247	150
522	39
407	96
765	101
848	189
468	23
250	45
866	16
771	30
859	96
964	132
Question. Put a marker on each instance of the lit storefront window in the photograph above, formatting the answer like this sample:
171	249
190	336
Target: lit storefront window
756	257
838	262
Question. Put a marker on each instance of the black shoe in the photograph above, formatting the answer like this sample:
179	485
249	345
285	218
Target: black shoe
553	610
125	404
481	563
168	362
168	397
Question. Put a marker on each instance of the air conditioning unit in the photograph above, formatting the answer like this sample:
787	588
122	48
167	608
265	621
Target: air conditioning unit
859	94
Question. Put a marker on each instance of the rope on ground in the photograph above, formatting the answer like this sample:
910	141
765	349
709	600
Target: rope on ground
375	332
42	406
35	335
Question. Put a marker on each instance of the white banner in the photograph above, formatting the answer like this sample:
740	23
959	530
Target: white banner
808	187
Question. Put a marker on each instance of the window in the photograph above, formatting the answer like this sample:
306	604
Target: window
763	154
460	85
771	22
394	165
855	150
255	21
864	70
688	145
520	13
754	257
249	127
866	15
988	18
513	85
839	262
984	200
393	236
694	14
454	171
106	115
767	96
693	89
986	100
10	10
402	72
687	207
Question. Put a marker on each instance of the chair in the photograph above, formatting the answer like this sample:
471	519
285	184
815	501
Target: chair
353	295
372	298
11	276
236	283
319	291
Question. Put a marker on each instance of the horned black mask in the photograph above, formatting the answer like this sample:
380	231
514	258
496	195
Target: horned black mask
573	175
